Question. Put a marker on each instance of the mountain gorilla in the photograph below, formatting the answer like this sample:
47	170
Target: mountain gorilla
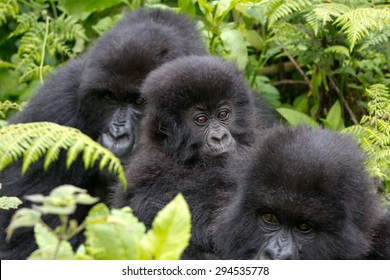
200	112
304	194
98	93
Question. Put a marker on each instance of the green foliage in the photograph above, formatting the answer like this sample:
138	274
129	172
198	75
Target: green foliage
110	234
373	132
7	203
296	118
166	240
32	140
7	105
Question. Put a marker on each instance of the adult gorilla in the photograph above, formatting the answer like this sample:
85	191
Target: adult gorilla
303	195
97	93
199	116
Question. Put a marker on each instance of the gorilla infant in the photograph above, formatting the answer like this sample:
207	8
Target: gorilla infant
200	112
304	194
99	94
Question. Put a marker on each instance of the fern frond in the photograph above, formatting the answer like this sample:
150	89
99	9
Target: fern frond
338	50
7	105
373	133
281	9
26	22
67	28
377	38
8	7
323	13
32	140
379	106
358	23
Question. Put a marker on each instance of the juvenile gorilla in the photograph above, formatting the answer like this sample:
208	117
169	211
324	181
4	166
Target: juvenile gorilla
98	93
303	195
200	112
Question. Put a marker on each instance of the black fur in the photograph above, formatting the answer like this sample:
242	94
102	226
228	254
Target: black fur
304	177
97	93
171	159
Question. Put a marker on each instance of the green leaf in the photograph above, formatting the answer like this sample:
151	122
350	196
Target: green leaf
235	45
8	202
33	140
49	246
23	217
334	119
82	9
254	39
187	6
296	118
171	230
223	8
115	235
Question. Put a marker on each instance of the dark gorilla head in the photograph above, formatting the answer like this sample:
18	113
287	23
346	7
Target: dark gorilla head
198	107
303	195
117	65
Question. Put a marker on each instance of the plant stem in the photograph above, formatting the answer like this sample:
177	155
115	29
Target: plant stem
44	49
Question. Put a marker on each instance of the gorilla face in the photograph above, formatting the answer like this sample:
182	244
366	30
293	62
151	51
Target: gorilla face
199	108
303	195
118	64
213	126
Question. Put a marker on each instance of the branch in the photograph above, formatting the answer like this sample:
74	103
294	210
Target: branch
346	105
305	77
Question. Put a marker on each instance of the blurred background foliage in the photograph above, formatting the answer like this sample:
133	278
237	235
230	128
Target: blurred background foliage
323	63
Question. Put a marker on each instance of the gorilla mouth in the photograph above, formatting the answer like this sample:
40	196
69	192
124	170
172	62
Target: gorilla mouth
218	151
119	145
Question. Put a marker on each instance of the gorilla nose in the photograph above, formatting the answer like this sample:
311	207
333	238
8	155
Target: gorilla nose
219	137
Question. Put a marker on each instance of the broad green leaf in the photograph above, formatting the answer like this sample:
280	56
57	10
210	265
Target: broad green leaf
254	39
296	118
82	9
105	24
223	8
8	202
113	235
235	45
48	246
24	217
187	6
171	230
301	103
334	119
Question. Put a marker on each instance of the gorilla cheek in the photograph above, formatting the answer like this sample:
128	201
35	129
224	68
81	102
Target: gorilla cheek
281	246
219	141
121	135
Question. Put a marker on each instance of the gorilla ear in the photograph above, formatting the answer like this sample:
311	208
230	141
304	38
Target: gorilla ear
163	129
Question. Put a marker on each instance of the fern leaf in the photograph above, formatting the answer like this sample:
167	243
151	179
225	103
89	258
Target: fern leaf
74	151
32	140
338	50
358	23
26	22
9	7
323	13
284	8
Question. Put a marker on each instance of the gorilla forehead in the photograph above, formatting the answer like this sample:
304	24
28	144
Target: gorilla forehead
306	164
134	47
195	80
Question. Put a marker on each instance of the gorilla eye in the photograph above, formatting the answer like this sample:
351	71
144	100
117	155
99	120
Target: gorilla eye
223	115
139	101
271	218
304	227
109	97
201	120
